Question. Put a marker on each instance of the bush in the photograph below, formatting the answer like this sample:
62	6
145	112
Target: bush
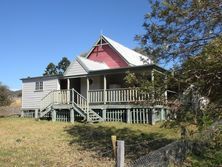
5	97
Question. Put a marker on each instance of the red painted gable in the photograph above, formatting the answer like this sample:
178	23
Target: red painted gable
108	56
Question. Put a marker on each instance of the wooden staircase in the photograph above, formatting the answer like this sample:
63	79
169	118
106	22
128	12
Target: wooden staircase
69	98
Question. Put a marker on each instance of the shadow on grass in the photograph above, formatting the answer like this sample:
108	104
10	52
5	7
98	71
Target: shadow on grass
98	138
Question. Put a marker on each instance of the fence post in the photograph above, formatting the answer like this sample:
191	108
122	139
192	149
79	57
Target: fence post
72	117
120	153
113	138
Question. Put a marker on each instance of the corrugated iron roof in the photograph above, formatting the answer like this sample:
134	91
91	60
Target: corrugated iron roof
132	57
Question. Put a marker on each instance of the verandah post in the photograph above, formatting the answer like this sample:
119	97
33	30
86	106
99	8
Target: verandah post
87	97
165	93
128	116
36	113
104	114
22	113
53	115
73	96
104	89
68	91
162	111
153	116
153	84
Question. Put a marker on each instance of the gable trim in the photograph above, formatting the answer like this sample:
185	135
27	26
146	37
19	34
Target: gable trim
103	38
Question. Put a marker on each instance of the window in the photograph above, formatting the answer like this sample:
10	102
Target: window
39	86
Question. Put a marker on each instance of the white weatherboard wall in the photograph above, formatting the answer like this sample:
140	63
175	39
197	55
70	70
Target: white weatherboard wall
30	97
97	83
75	69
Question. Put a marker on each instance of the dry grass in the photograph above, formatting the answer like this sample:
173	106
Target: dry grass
25	142
13	109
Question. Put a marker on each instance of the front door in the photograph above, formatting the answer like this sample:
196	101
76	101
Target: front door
63	84
75	84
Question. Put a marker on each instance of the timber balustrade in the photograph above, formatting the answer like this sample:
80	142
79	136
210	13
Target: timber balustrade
96	96
118	95
64	97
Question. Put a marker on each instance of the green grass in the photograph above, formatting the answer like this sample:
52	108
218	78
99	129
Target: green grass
25	142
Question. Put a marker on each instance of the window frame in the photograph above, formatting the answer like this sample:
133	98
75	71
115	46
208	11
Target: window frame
39	86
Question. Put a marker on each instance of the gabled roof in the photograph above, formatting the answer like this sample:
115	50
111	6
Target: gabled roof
75	68
83	65
132	57
91	65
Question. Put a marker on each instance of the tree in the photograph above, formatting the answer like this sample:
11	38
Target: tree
204	71
5	98
50	70
63	65
178	29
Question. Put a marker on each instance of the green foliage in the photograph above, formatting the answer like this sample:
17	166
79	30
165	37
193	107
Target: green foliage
178	29
142	81
50	70
5	98
207	150
63	65
204	71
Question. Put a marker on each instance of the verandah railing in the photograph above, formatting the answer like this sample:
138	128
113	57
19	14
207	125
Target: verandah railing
64	97
117	95
96	96
126	95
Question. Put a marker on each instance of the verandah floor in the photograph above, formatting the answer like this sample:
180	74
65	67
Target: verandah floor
26	142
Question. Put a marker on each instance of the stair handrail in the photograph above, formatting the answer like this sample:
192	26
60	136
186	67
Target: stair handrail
68	96
43	103
80	100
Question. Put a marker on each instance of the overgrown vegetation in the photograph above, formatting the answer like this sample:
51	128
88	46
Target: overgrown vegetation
5	95
188	34
143	82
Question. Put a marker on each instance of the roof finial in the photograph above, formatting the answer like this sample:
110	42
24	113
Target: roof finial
101	38
101	32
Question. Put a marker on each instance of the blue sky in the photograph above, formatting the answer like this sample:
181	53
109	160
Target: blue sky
36	32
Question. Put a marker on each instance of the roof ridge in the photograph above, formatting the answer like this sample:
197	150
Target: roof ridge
122	45
133	57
